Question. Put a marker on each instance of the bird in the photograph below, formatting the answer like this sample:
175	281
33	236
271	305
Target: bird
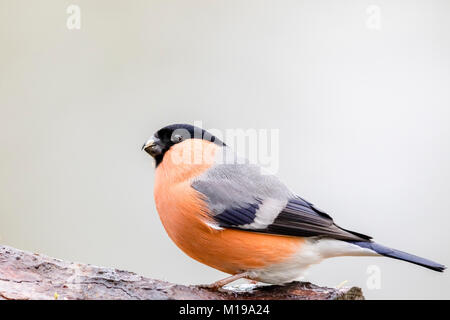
228	213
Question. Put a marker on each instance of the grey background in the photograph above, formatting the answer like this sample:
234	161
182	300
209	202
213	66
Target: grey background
363	117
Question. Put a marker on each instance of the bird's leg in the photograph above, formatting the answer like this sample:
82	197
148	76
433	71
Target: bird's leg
219	284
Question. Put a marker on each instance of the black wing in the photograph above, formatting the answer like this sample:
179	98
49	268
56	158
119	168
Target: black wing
298	218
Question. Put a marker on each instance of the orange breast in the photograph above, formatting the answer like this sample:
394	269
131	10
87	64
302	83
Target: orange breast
184	216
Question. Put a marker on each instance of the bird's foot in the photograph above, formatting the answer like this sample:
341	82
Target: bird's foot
216	286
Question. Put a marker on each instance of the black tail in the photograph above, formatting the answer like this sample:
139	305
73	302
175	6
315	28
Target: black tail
400	255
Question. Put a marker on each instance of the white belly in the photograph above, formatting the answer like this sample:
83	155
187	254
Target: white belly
313	252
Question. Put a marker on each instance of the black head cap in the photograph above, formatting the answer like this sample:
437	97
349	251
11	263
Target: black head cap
170	135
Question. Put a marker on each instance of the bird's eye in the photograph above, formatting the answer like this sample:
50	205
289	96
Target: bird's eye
177	138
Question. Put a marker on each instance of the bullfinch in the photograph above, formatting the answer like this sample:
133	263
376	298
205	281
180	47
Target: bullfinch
229	214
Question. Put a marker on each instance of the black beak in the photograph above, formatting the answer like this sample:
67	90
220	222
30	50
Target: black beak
152	147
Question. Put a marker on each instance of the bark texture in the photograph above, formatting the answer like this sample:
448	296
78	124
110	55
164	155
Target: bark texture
25	275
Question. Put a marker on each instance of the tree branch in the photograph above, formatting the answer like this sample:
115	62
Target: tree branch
25	275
